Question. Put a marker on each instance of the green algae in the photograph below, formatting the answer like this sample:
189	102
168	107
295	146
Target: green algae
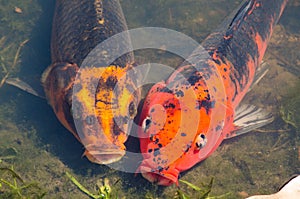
104	189
8	153
8	67
202	192
13	186
291	107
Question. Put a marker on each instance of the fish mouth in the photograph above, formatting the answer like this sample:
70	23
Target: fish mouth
164	178
104	157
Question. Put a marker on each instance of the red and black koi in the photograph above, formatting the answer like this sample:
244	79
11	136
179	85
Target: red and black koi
185	118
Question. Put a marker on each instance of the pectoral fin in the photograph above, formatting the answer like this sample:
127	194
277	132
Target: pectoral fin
16	82
248	118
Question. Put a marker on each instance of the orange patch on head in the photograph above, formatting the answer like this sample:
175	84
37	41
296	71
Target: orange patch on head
106	105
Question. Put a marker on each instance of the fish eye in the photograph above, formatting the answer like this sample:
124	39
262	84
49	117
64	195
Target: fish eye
146	123
132	109
201	141
90	120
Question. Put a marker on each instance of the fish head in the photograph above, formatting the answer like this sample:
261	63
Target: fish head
158	126
104	105
161	135
163	176
173	132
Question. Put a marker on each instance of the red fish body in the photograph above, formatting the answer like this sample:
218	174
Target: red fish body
185	118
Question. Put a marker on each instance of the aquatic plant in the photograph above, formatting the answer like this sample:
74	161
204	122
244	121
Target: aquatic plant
289	112
104	189
7	153
6	62
13	186
201	193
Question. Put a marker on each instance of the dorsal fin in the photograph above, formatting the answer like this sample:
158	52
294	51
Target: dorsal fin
240	15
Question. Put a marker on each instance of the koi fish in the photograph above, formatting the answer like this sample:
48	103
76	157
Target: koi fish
185	118
83	96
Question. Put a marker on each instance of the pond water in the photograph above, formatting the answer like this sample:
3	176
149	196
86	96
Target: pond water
41	150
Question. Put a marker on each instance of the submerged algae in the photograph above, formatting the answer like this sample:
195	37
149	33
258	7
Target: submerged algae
13	186
290	108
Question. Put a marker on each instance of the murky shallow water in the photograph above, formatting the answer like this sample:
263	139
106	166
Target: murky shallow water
43	150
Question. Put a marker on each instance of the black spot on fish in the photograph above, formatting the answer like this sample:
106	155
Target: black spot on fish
90	120
205	104
188	146
132	109
170	105
156	152
125	120
218	128
166	90
235	87
150	150
183	134
160	145
179	94
207	97
160	169
164	162
116	129
111	82
193	79
217	61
